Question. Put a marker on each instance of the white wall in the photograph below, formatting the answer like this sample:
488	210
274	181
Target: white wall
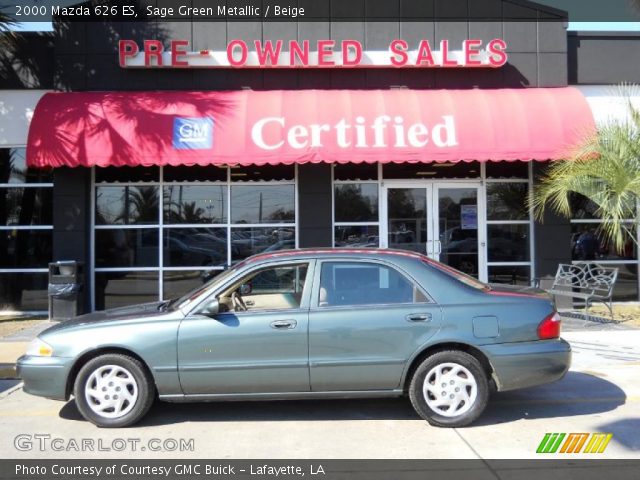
16	110
608	102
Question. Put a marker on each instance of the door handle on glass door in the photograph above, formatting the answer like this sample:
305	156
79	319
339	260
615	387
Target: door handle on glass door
419	317
284	324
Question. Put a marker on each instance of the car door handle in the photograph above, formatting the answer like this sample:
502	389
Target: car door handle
284	324
419	317
249	303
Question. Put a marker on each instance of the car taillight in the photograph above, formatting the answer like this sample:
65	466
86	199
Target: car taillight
549	327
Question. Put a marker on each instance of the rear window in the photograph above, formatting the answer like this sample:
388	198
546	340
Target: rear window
458	275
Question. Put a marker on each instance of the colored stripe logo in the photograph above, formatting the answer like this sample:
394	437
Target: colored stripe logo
574	442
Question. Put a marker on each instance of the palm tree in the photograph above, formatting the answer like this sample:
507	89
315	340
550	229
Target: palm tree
7	36
606	170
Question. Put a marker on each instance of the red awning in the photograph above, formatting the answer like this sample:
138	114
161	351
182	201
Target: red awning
273	127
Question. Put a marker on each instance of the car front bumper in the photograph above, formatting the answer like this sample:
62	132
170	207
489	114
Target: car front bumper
44	376
527	364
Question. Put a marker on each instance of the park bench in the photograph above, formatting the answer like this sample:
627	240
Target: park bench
587	281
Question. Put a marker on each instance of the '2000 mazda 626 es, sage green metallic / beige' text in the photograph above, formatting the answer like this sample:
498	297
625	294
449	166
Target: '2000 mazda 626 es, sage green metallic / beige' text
308	324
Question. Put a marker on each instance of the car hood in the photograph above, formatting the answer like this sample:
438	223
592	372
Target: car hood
114	314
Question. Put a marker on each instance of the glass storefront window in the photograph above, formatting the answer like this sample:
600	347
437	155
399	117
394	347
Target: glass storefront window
356	202
356	236
584	209
125	248
194	247
626	287
507	201
589	243
121	289
252	204
508	243
176	283
176	226
26	232
13	168
510	274
25	248
250	241
26	206
26	291
127	205
194	204
507	169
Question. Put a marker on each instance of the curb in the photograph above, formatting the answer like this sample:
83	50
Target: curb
8	371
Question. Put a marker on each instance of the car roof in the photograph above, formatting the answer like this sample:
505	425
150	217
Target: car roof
335	252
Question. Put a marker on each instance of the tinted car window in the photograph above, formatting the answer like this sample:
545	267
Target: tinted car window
344	283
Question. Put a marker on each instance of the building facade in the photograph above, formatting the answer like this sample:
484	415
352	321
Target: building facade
152	227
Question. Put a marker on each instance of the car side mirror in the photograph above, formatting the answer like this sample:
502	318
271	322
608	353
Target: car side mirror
245	289
211	309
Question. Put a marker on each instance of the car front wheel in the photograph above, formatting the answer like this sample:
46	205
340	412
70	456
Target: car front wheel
113	390
449	389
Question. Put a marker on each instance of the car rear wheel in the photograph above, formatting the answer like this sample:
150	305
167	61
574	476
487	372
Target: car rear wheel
449	389
113	390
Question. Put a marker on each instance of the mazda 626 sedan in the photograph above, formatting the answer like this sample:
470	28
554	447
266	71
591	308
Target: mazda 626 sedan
308	324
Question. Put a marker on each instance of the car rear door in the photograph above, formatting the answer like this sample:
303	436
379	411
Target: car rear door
366	320
264	349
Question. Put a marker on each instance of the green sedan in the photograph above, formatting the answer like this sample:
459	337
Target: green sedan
304	324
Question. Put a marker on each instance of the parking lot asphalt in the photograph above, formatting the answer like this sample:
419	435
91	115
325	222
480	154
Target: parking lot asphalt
601	393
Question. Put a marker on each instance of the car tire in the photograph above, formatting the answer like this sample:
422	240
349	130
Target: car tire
440	403
114	390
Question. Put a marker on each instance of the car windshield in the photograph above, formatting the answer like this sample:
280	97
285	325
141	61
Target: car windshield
458	275
194	294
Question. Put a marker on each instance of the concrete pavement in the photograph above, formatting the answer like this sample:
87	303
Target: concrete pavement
600	394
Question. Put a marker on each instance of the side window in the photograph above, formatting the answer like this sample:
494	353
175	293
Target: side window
276	288
343	283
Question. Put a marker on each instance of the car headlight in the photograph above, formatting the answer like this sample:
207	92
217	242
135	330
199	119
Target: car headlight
38	348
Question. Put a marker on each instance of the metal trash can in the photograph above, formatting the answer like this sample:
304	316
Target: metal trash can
66	281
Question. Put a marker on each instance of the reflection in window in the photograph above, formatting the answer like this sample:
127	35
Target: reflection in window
508	243
589	243
356	202
507	201
13	168
262	204
194	247
131	247
584	209
121	289
177	283
507	169
194	204
356	236
126	205
250	241
510	274
407	218
23	291
26	206
25	248
343	283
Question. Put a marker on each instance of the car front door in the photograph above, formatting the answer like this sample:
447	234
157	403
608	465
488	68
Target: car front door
258	342
366	320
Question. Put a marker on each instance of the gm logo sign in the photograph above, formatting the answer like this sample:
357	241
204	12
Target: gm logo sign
192	133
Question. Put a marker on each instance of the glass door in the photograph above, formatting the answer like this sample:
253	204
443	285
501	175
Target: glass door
441	220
